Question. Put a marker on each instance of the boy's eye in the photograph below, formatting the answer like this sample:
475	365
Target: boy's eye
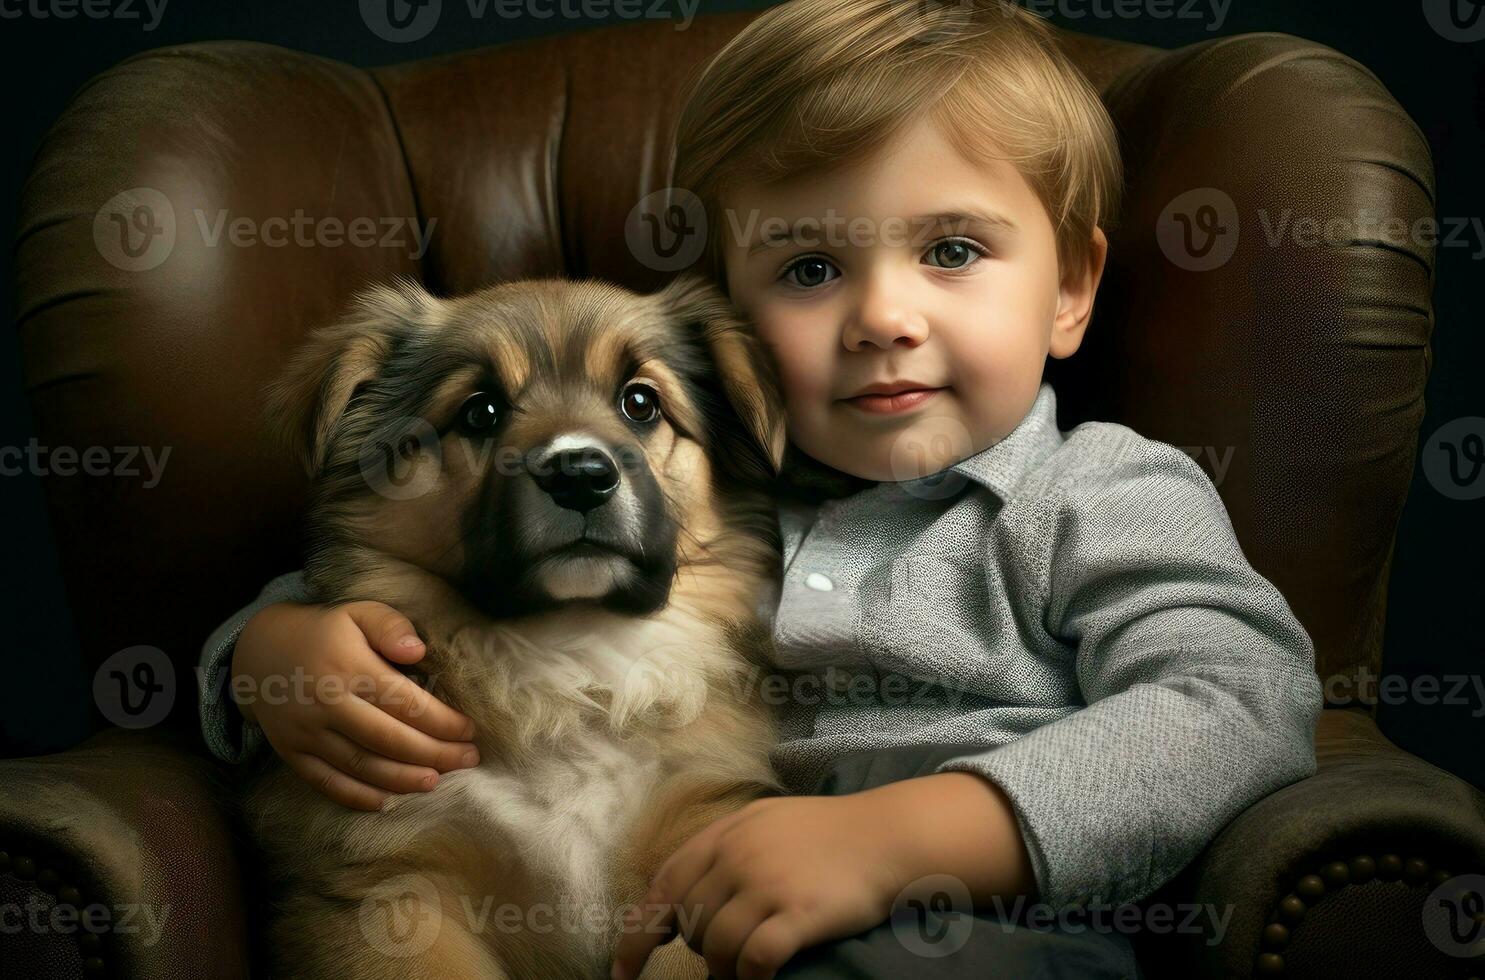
809	271
955	254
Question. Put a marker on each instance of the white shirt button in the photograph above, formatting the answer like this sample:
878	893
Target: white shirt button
818	582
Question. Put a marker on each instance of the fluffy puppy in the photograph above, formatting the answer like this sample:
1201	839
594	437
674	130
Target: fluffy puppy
563	485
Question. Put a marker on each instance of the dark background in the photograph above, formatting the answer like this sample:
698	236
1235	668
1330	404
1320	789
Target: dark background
1434	613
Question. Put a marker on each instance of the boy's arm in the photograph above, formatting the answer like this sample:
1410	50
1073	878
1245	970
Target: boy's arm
227	735
1200	683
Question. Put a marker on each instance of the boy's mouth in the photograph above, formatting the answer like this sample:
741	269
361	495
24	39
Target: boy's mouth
892	399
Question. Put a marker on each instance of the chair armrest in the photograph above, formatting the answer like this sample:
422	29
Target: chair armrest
117	858
1328	876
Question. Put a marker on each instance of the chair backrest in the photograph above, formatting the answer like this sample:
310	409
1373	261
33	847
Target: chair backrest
1292	364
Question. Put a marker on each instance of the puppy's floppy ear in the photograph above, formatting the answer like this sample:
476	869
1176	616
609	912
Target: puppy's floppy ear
745	373
305	403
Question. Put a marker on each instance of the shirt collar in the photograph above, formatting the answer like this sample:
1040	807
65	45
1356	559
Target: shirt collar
1000	467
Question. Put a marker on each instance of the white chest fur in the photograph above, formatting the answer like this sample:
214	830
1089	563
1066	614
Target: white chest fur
564	816
597	705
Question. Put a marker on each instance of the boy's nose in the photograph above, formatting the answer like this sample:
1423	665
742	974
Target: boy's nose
886	311
883	321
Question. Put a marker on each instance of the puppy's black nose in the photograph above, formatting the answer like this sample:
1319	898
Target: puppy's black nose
578	479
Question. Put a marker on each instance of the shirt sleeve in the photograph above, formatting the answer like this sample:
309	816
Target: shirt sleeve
228	735
1199	683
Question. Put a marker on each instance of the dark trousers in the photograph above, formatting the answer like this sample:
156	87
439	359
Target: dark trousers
940	937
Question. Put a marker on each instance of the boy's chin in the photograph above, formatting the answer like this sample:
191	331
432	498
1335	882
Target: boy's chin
930	445
905	456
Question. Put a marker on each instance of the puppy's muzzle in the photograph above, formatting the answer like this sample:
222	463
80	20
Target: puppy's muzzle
576	479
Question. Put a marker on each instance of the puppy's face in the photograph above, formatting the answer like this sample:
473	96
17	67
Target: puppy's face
533	444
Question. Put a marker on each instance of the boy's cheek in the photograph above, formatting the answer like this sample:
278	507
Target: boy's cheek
804	372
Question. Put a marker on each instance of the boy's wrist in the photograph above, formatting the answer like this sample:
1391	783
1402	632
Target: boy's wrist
244	706
236	668
955	823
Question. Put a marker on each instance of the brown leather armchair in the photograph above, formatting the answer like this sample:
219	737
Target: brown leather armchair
1295	368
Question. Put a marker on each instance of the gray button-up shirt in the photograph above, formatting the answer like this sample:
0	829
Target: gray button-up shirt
1076	603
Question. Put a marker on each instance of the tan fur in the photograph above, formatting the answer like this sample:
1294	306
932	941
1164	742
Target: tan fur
606	739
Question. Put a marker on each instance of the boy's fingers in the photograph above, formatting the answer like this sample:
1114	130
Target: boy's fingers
387	631
400	697
381	772
343	789
772	943
370	727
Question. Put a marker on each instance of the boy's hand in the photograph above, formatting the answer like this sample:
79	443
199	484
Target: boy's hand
339	714
753	888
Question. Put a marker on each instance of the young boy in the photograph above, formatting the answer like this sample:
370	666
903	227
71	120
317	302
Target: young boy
1072	677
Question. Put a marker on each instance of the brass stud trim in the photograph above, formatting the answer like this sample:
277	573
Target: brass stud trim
51	880
1310	889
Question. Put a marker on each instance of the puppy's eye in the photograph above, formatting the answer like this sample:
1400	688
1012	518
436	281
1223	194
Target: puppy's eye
640	402
478	415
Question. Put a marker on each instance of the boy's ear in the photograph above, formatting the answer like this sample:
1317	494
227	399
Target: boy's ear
305	403
1075	295
745	374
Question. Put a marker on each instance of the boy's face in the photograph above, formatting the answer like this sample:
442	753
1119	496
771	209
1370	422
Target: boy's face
871	283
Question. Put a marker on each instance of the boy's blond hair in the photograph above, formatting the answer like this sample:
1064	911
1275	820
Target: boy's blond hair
814	84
